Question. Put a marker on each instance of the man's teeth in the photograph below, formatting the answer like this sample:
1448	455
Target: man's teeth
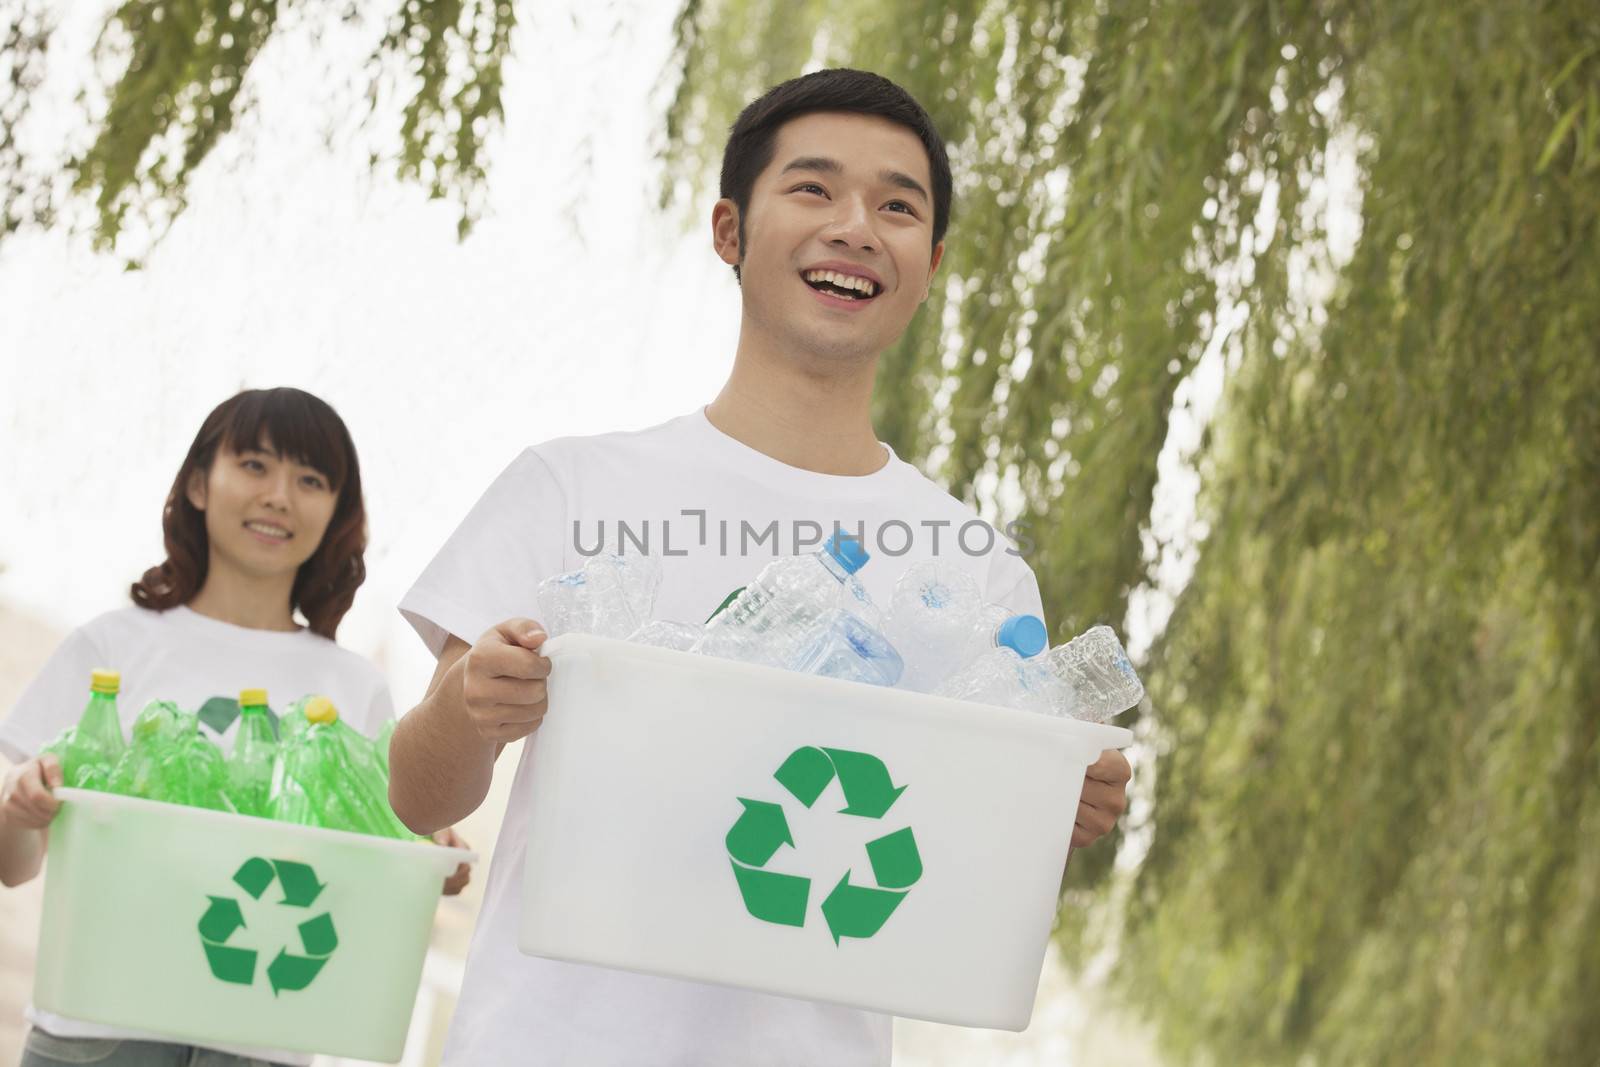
270	531
843	281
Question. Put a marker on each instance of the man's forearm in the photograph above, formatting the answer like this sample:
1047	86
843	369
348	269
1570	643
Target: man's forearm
439	766
21	853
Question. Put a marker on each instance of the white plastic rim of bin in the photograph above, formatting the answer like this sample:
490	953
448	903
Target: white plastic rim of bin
921	880
215	928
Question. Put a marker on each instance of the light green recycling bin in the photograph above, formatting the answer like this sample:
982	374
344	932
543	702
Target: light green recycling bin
809	837
213	928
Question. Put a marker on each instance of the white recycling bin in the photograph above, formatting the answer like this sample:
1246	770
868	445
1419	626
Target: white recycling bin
211	928
723	822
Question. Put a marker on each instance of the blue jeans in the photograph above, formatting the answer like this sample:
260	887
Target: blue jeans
47	1050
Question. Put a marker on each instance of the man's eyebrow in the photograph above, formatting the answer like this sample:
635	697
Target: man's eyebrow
904	181
817	163
825	165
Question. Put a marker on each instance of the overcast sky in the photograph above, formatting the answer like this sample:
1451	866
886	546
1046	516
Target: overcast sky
575	307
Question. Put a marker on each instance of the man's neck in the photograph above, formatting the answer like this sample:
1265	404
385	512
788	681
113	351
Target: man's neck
816	421
244	600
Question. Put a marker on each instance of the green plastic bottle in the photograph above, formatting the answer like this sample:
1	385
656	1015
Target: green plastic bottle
343	779
90	750
155	734
255	749
381	743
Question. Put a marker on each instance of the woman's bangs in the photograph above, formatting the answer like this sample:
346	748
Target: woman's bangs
291	424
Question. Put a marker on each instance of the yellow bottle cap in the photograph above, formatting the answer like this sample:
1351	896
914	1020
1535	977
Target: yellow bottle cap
252	698
321	709
102	680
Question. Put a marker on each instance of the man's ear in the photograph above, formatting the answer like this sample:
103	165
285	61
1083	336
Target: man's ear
725	231
933	268
196	489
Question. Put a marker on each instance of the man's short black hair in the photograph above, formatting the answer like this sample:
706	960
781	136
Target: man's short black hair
750	142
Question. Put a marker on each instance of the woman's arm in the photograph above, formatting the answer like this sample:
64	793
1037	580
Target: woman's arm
26	807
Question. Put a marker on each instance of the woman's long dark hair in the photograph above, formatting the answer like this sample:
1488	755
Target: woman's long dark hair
299	427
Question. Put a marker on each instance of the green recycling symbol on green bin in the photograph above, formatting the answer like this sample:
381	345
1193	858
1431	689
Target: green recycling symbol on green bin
852	908
223	918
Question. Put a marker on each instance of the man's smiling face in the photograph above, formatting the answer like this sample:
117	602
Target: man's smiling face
838	239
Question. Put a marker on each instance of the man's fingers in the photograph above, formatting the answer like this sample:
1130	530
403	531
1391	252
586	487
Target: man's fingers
1108	798
508	723
514	692
507	661
525	633
1111	767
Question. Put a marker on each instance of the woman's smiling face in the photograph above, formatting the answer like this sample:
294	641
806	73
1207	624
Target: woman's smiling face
265	513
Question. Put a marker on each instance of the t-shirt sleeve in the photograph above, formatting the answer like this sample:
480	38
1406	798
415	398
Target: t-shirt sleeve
1013	585
490	568
54	699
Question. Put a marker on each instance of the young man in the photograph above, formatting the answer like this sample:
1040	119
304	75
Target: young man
835	195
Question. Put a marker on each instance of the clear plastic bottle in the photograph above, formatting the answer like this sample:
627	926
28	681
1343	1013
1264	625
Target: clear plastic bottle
771	619
940	625
661	633
932	616
611	596
842	646
255	747
1098	674
1003	678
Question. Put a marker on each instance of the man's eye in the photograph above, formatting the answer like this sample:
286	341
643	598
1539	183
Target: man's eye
902	206
811	185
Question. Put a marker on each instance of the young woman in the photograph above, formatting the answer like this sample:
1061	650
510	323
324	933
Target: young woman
264	520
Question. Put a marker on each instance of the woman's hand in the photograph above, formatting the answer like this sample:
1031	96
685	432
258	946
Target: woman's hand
458	880
27	800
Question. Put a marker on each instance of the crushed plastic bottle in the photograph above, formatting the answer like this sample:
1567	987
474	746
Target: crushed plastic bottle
662	633
90	750
771	620
1098	674
193	771
141	772
842	646
336	769
932	615
1003	678
610	597
255	748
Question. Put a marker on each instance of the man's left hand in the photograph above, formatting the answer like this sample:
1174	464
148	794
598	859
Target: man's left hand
458	880
1105	796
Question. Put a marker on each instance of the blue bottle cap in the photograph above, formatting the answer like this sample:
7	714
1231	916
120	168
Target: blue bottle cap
847	551
1023	634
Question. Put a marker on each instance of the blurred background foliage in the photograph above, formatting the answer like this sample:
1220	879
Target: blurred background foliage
1373	830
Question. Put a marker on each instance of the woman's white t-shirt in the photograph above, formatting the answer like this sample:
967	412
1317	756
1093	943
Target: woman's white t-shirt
714	511
201	664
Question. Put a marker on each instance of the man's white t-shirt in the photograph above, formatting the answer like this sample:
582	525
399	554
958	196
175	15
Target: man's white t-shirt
201	664
714	511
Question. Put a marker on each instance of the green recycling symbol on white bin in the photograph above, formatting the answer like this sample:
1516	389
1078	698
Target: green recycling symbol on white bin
852	908
291	971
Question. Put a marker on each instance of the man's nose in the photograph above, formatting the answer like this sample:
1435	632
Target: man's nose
852	225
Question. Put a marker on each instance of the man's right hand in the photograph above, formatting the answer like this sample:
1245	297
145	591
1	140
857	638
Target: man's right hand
26	799
503	681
